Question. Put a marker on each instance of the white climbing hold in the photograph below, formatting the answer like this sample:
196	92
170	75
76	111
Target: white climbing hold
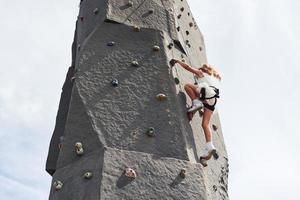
79	148
57	185
161	97
136	28
135	63
130	3
96	11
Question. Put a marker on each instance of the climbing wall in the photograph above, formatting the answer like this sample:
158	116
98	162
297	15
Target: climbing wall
121	129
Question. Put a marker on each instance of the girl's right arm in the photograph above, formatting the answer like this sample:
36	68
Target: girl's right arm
189	68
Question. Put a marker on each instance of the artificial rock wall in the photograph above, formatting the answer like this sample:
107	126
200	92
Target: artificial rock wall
120	63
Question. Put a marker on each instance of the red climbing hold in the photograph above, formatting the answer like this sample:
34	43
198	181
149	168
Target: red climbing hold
130	173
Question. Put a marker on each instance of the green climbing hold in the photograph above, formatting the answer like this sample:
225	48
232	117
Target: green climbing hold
88	175
182	173
176	80
151	132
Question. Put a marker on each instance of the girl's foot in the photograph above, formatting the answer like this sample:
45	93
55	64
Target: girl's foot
210	150
197	104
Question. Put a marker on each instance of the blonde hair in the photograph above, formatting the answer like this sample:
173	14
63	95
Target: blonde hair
208	69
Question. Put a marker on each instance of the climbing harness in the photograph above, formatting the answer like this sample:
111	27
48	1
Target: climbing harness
203	93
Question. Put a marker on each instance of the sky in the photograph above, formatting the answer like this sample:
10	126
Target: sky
254	44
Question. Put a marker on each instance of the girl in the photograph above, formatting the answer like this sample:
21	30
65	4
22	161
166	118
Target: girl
203	95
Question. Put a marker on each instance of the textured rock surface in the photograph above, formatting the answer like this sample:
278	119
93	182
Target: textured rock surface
111	122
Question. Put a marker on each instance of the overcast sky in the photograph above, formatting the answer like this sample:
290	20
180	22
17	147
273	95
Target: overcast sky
255	45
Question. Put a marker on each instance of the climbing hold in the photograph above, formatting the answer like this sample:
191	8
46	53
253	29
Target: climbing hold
136	28
130	3
191	24
57	185
170	10
135	63
172	62
161	97
187	32
88	175
203	161
215	188
111	43
187	42
115	82
176	80
182	173
151	132
156	48
182	9
170	46
215	127
73	78
151	11
81	18
130	173
216	155
178	28
200	48
201	112
189	14
61	139
179	16
96	11
79	148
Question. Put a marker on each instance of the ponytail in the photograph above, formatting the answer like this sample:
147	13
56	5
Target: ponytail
208	69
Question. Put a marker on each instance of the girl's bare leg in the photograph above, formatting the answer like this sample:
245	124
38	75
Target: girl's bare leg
191	91
205	124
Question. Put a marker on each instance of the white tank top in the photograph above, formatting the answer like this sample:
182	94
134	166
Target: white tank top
206	82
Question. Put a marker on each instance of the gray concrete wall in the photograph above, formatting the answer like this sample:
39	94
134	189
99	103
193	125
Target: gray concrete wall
111	122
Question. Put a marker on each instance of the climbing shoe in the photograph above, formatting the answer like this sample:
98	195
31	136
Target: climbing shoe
197	104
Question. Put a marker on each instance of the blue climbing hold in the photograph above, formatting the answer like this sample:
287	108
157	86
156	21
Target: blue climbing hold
111	43
115	83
